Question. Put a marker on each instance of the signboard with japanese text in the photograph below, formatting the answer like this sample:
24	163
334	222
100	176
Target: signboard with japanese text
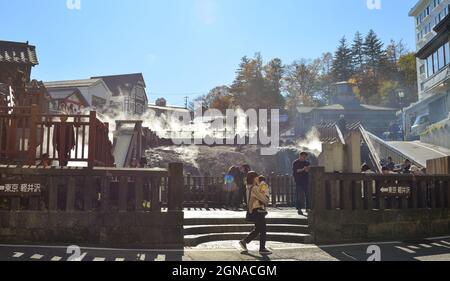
20	189
396	191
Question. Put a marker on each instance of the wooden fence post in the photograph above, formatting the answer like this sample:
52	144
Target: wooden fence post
32	141
52	194
176	187
123	193
139	193
70	197
317	181
155	194
92	138
274	188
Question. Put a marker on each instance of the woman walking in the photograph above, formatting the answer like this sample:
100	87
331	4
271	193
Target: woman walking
256	213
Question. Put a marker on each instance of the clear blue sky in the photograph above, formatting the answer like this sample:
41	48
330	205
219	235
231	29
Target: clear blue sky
186	47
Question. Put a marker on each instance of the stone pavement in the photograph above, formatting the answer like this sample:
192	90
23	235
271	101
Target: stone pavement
190	213
230	251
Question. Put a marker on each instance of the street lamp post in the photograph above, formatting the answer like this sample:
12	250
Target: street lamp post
401	96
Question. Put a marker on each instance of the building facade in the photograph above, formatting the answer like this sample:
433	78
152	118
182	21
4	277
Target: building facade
128	92
432	22
344	102
94	91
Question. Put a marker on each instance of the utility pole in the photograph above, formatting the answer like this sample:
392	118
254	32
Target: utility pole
186	100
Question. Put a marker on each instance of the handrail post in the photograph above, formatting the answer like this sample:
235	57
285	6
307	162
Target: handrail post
92	138
176	187
32	144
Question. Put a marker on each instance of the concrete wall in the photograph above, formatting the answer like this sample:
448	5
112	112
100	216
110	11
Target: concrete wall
439	137
371	226
131	229
332	157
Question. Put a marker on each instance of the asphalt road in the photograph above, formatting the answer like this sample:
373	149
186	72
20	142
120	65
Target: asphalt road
437	249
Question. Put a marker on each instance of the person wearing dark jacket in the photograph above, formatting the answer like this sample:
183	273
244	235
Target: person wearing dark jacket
63	140
300	171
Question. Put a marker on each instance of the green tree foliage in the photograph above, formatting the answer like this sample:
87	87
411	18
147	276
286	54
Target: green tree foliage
301	83
379	74
257	85
342	65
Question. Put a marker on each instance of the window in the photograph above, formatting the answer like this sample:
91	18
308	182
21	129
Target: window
447	53
441	58
436	3
430	66
435	62
422	69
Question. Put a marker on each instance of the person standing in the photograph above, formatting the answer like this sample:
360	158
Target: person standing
342	125
243	171
406	167
391	164
256	213
300	169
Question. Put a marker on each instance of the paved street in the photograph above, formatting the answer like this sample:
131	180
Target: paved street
427	250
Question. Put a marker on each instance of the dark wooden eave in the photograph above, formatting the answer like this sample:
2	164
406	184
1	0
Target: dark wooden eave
442	30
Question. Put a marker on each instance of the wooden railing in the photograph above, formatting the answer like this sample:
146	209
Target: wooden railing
88	190
212	191
26	136
378	192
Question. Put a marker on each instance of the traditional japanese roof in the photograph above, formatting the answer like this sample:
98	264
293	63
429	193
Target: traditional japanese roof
360	107
168	108
20	53
62	94
120	84
71	83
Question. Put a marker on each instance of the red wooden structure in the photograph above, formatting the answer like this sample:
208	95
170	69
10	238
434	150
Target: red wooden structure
27	135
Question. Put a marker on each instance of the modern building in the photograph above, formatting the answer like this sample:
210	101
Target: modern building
128	92
375	119
94	91
432	23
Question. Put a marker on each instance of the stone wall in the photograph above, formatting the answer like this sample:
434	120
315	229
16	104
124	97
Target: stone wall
438	134
339	226
131	229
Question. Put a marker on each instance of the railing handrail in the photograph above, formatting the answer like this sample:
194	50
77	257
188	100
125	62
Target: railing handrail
372	151
393	149
81	171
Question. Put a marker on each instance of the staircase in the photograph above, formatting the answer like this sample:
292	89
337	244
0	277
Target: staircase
202	230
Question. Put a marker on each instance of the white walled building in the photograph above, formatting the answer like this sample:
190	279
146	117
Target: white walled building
128	92
95	91
431	23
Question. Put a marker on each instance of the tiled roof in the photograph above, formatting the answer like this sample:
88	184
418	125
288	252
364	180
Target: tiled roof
168	108
359	107
71	83
121	84
21	53
62	94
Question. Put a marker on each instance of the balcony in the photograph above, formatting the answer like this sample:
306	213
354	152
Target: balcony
436	80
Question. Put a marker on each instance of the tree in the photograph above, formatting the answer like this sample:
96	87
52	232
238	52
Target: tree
342	64
273	75
374	54
408	77
214	99
325	80
358	53
301	82
248	86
